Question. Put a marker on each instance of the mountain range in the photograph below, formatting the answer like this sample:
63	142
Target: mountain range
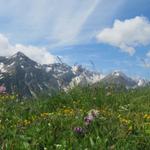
21	75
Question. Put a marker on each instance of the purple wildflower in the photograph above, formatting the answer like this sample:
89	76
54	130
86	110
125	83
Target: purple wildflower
2	89
92	114
79	130
88	120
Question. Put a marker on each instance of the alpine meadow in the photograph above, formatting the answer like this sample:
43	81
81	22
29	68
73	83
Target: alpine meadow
75	75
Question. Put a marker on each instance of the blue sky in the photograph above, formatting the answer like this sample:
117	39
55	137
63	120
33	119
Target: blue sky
80	32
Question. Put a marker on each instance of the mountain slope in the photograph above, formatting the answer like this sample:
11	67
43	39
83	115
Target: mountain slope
84	77
21	75
27	78
119	78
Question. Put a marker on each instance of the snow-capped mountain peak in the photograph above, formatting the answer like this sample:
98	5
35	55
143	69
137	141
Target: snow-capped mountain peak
26	77
19	54
142	82
118	73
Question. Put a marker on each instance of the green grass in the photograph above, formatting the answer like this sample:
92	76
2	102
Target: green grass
123	122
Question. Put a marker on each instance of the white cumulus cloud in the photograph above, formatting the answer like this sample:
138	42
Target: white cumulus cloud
39	54
127	35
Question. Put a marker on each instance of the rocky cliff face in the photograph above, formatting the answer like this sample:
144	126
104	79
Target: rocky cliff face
26	77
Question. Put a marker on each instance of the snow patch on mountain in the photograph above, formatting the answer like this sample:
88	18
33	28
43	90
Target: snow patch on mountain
22	66
2	68
48	69
142	82
84	77
1	76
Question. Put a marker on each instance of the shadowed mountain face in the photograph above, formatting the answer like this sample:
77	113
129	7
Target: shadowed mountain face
21	75
27	78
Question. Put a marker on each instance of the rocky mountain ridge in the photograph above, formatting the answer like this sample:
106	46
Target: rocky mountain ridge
21	75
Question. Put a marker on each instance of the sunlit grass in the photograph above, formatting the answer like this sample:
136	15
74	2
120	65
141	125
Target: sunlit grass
122	120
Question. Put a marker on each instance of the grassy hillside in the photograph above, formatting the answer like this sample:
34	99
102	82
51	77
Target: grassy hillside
121	121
